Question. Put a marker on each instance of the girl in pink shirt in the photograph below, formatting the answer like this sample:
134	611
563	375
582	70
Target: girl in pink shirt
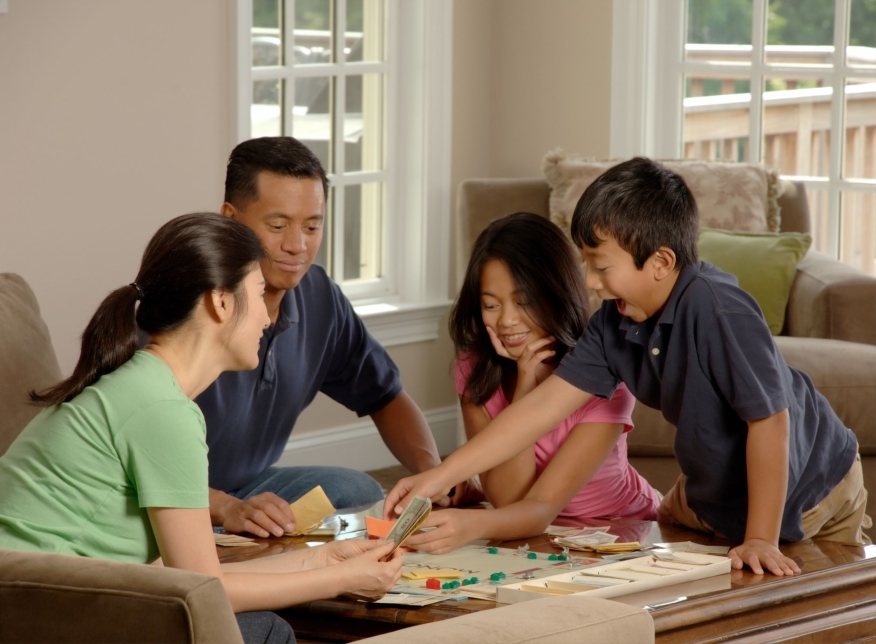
523	306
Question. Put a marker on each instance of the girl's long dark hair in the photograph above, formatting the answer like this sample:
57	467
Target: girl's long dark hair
188	257
547	274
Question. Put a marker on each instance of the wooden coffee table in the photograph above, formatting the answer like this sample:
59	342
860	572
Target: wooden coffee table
833	600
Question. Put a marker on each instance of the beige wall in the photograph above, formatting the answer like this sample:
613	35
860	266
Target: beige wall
113	119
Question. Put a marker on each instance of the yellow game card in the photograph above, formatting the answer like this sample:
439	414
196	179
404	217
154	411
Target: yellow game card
310	510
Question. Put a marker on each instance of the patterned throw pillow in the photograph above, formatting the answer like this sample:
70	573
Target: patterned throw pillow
730	196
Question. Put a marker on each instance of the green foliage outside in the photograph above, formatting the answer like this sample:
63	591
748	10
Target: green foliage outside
790	22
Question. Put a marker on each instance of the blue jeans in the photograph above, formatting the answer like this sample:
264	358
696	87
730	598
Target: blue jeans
264	627
344	487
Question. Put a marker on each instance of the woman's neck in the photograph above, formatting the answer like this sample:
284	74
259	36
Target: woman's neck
190	356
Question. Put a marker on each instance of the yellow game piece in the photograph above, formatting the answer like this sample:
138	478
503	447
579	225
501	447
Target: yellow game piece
419	575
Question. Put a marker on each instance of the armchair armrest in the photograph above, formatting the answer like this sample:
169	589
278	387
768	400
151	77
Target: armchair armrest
831	300
60	598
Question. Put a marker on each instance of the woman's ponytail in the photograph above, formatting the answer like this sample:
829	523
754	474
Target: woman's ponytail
108	342
188	256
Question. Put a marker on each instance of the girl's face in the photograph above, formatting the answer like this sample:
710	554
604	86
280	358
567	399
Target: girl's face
243	343
505	310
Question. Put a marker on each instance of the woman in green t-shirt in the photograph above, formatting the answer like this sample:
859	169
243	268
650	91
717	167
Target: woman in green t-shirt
115	466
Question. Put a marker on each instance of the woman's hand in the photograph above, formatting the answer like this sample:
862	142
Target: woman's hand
452	528
366	574
531	367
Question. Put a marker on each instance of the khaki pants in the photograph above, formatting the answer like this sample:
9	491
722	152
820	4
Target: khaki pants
840	516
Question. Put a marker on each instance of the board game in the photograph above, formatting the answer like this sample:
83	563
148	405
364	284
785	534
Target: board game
490	567
619	578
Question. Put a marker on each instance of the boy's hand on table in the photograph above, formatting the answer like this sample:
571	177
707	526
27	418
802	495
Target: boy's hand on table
452	528
428	484
758	554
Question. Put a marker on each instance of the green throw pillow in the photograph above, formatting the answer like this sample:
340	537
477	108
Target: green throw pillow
764	264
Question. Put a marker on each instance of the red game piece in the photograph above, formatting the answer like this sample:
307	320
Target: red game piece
433	583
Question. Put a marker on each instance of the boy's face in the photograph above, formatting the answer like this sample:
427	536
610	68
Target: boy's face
612	273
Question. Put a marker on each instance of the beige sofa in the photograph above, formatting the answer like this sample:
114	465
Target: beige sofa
57	598
830	330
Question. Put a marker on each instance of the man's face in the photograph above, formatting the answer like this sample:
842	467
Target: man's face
612	273
288	216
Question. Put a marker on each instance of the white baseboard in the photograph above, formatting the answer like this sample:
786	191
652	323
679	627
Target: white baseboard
359	445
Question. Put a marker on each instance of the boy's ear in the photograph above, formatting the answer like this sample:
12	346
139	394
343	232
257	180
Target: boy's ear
663	262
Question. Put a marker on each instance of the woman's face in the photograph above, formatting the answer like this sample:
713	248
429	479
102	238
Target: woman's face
506	311
247	330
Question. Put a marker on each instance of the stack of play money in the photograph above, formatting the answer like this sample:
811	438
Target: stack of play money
232	540
585	541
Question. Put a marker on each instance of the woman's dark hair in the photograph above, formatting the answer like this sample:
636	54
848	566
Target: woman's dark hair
188	257
281	155
547	274
643	206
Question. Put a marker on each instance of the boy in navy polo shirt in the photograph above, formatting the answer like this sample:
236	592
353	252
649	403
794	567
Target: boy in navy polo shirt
763	455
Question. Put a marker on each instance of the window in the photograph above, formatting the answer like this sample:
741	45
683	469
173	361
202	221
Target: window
350	79
788	83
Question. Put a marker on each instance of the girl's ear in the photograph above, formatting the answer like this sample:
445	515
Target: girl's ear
219	304
663	262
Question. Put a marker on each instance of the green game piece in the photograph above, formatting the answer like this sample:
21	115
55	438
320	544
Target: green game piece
474	580
465	582
531	555
552	558
501	575
446	586
493	551
562	557
496	576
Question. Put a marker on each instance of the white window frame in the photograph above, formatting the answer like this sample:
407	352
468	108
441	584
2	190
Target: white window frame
648	71
408	302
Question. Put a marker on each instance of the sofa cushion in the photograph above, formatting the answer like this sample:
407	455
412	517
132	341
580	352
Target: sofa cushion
552	620
27	359
731	196
59	598
764	263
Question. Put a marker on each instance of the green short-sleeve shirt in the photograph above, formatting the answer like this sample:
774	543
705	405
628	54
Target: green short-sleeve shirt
80	476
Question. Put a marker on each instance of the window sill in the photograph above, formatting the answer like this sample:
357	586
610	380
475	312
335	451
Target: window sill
394	324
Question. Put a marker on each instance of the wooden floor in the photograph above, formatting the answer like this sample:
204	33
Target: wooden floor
389	476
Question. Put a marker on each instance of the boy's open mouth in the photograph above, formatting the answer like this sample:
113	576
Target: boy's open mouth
621	306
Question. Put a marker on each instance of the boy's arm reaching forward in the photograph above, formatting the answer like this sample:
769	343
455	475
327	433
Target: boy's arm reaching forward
519	425
766	454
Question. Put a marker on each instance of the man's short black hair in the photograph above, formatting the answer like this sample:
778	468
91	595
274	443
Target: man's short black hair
280	155
642	206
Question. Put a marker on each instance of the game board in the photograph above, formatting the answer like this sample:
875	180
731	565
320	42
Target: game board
477	561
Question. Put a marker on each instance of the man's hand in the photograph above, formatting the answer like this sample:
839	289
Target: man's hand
453	528
428	484
757	554
263	515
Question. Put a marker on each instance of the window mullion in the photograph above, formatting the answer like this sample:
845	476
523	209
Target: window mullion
758	54
338	112
837	125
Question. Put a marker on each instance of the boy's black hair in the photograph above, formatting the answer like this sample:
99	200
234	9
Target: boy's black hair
281	155
642	206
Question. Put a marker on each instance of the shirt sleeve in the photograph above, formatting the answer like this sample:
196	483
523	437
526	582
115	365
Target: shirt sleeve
163	450
586	366
361	376
740	356
616	410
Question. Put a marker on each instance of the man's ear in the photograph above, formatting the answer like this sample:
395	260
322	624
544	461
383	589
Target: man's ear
219	304
664	262
229	210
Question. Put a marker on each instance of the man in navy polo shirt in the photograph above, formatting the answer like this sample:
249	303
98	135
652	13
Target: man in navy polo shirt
316	342
764	457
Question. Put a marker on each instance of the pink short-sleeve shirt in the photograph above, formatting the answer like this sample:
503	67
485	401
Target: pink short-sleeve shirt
617	489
